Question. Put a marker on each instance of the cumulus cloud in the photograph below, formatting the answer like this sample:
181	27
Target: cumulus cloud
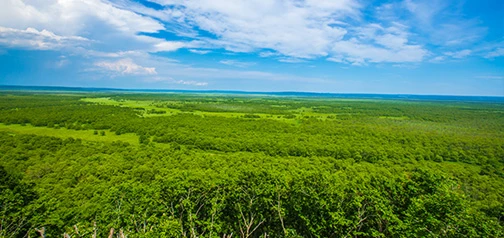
125	67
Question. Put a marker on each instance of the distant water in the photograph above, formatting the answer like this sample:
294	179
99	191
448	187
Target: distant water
412	97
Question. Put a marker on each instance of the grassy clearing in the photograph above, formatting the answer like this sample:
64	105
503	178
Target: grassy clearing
294	117
151	105
147	105
66	133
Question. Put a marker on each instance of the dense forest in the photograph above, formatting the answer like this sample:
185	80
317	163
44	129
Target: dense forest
248	166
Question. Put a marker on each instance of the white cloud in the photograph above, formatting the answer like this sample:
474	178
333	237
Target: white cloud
495	53
171	71
237	63
391	41
293	29
38	40
459	54
200	52
168	46
125	67
286	30
106	24
72	17
167	69
282	26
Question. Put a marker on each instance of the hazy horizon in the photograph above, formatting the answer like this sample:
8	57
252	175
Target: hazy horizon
220	91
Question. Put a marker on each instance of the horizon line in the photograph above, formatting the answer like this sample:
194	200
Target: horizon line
239	91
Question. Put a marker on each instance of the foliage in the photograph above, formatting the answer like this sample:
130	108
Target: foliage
281	167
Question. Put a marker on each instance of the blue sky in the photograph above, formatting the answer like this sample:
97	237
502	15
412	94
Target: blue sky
438	47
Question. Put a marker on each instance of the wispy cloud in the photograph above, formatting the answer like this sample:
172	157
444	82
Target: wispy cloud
62	62
290	30
38	40
291	60
55	24
489	77
74	17
441	21
267	54
236	63
116	54
459	54
405	66
167	46
126	38
337	59
174	81
278	25
200	52
297	30
376	43
178	70
495	53
438	59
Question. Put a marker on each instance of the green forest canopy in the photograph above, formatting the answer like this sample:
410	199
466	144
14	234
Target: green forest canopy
187	165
